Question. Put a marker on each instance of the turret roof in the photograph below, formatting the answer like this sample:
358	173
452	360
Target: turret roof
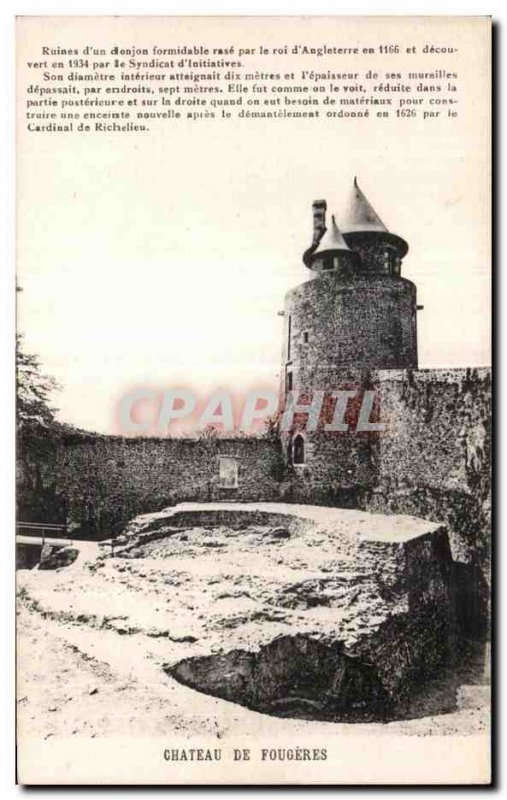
332	240
361	216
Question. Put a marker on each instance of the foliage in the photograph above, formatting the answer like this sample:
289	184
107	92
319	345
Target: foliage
34	390
271	426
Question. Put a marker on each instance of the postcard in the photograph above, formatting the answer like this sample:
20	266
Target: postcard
253	535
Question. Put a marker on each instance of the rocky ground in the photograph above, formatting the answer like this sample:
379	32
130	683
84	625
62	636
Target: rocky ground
98	639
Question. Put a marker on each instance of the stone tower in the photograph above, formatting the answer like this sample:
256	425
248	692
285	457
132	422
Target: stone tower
356	312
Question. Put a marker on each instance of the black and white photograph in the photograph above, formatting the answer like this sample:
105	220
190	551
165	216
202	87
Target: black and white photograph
254	390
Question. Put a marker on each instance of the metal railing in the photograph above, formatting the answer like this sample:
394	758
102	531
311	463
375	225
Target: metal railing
43	530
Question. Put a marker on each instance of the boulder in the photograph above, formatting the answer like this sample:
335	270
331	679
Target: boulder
55	557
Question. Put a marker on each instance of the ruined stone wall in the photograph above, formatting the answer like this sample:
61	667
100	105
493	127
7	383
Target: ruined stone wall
434	458
434	462
98	483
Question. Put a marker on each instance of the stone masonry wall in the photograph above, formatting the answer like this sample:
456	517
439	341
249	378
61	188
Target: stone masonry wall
98	483
434	462
338	324
435	455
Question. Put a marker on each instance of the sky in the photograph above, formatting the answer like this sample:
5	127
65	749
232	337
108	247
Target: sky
162	260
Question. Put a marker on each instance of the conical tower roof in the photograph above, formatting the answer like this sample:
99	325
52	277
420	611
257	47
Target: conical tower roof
361	216
331	241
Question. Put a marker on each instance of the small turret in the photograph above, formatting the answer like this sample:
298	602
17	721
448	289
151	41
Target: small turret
379	250
332	253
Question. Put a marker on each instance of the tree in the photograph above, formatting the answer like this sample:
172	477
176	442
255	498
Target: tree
34	390
272	426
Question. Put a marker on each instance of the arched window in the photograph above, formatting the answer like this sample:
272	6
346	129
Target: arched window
298	450
289	452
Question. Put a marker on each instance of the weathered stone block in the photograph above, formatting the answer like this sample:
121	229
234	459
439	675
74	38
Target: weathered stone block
342	617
